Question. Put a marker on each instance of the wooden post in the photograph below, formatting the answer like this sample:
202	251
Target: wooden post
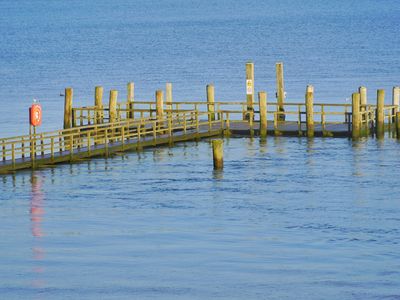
363	101
356	120
159	107
210	102
380	114
159	104
249	89
280	90
218	154
113	106
398	124
98	103
310	110
168	96
395	101
262	102
68	108
130	99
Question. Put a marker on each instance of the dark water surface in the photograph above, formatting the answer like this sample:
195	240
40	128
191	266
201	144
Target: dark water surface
286	219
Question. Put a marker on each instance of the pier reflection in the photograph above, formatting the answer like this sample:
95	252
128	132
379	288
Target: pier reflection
37	214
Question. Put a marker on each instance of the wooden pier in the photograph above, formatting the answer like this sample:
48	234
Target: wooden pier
101	130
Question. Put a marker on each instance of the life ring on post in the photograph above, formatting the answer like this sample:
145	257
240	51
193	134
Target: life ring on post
35	115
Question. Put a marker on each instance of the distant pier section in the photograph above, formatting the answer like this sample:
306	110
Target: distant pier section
130	125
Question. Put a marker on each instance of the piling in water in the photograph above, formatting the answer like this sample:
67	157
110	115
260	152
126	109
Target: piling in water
356	120
159	104
249	89
130	98
168	96
280	90
98	103
68	108
398	124
112	105
310	110
395	101
380	114
262	101
210	102
363	101
218	154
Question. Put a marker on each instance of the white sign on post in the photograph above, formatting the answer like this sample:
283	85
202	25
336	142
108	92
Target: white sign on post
249	87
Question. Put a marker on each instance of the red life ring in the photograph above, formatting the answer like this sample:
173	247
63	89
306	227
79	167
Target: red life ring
35	115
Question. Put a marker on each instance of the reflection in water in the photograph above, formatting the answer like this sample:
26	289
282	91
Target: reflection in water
218	174
37	213
159	154
263	145
310	152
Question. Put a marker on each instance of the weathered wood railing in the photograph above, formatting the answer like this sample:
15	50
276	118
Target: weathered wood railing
82	141
323	113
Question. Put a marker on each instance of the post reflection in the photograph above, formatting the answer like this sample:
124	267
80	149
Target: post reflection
37	214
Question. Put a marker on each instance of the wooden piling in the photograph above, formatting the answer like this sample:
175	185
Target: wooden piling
380	114
363	101
159	104
210	102
262	102
168	96
112	105
310	110
356	117
398	124
395	101
130	98
280	90
249	88
218	154
68	108
98	103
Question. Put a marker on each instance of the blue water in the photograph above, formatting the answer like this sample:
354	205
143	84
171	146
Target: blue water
287	219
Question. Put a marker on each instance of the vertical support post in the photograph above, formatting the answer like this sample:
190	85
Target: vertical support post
310	110
13	154
210	102
218	154
98	103
356	120
68	108
112	105
380	114
262	102
159	104
363	101
395	101
159	107
249	89
280	90
398	125
168	96
130	99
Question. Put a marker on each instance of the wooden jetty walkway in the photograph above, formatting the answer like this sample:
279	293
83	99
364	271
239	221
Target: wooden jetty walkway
101	130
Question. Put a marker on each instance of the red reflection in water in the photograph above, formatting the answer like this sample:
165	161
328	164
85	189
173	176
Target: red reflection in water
37	214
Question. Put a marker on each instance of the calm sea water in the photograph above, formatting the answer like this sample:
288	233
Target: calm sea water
287	219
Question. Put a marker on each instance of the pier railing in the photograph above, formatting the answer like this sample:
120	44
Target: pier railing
323	113
92	138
